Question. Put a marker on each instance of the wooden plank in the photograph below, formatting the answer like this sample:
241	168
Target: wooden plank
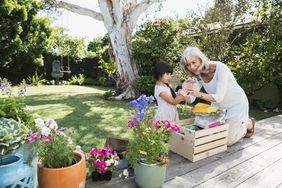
267	133
192	174
211	152
180	145
210	138
210	145
209	131
269	177
243	171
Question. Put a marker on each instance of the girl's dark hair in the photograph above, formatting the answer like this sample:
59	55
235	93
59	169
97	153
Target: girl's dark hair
160	69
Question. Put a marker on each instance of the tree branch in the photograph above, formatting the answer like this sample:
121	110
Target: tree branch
80	10
136	9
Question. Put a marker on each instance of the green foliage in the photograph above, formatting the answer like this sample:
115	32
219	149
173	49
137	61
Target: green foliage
110	93
62	44
15	107
23	37
256	62
267	97
58	153
12	135
215	31
100	47
36	80
154	41
145	84
77	80
88	81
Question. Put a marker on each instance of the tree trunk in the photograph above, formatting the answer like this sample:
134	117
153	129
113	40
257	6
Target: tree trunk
126	67
119	19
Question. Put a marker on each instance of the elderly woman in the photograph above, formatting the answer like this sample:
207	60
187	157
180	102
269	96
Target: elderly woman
222	90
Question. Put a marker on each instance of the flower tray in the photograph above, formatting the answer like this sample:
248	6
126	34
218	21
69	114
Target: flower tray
198	144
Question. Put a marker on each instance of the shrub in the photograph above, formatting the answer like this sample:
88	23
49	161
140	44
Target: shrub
77	80
36	80
145	84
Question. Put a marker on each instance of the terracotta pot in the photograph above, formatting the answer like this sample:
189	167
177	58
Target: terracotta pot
68	177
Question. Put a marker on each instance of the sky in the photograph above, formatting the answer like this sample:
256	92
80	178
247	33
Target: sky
89	28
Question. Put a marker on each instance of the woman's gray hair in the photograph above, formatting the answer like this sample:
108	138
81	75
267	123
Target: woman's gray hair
194	51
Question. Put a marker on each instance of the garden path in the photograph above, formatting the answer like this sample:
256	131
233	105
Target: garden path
254	162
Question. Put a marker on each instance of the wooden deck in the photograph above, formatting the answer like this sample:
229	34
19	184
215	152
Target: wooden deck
254	162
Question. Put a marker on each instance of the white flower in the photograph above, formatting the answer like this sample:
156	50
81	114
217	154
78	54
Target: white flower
116	162
109	162
69	141
125	173
45	131
39	122
62	134
51	123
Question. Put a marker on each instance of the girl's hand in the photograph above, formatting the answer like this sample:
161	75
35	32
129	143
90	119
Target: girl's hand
195	93
182	92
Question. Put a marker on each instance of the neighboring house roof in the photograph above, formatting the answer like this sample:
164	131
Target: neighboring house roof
244	21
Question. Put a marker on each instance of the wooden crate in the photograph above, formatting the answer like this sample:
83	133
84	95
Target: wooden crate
199	144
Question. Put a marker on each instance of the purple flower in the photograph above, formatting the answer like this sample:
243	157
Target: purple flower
46	138
32	137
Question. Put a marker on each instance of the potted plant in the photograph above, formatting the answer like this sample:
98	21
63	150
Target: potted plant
102	163
13	171
12	107
59	165
148	149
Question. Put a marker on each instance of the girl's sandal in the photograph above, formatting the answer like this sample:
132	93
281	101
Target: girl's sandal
251	131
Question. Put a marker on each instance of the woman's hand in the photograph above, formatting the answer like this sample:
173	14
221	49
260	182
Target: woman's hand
188	85
195	93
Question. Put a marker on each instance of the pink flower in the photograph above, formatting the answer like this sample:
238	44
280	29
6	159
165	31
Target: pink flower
132	122
107	151
32	137
157	124
46	138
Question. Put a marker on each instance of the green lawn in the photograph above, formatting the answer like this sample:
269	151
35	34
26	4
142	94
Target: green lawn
84	109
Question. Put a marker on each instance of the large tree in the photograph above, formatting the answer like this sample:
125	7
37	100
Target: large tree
120	18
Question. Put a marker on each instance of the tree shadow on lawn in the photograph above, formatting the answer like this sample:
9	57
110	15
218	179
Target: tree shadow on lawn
93	117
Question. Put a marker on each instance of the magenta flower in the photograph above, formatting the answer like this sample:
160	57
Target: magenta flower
46	138
107	152
32	137
132	122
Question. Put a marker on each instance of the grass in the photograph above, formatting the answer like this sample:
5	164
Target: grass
84	109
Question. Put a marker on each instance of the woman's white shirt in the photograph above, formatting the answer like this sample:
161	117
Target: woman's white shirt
227	93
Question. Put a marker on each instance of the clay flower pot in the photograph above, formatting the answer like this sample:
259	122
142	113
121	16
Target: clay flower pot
73	176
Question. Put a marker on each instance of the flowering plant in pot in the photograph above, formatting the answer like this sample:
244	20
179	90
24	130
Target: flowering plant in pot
13	106
17	121
102	163
54	144
148	146
57	157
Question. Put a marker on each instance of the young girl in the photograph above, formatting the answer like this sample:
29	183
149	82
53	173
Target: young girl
165	96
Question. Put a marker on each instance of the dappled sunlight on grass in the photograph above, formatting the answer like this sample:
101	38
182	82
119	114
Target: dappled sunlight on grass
47	110
62	89
85	110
